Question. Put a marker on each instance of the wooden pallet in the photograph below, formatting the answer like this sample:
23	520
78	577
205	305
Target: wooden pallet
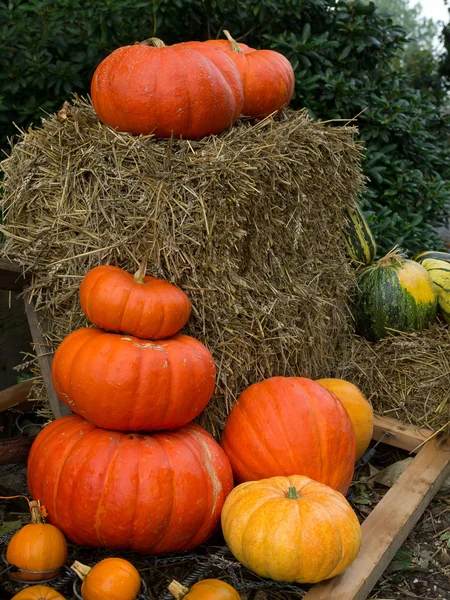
384	530
390	522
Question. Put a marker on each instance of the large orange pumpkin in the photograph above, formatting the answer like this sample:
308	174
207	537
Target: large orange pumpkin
267	76
358	407
111	579
38	592
206	589
128	384
291	529
140	305
180	90
151	493
290	426
37	547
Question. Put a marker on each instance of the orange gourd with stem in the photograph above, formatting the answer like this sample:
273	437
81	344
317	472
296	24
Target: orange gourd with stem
37	547
207	589
111	578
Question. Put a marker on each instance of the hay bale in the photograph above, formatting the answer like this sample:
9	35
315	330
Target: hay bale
248	223
405	376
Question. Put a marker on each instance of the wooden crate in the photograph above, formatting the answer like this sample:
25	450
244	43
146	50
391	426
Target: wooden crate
384	530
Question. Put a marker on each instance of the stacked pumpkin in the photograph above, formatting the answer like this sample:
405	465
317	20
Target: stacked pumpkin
292	443
102	482
191	89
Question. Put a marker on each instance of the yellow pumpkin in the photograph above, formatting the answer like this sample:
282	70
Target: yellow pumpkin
111	578
38	592
291	529
38	546
358	407
207	589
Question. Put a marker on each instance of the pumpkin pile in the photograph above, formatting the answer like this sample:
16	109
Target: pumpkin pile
104	483
190	89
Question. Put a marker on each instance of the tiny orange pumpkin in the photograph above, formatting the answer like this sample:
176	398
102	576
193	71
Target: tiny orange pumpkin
112	578
207	589
38	592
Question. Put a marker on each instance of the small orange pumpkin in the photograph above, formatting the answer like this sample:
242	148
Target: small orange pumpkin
207	589
112	578
291	529
358	407
38	546
143	306
38	592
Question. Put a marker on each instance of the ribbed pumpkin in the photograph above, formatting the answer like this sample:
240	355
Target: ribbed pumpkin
37	546
358	237
207	589
180	90
267	76
439	271
291	529
111	579
38	592
128	384
394	295
143	306
151	493
358	407
290	426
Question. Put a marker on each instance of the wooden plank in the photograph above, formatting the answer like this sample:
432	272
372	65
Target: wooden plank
15	394
15	337
16	449
11	276
44	356
389	524
399	435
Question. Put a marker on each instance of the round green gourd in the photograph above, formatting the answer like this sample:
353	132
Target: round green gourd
359	240
439	271
394	295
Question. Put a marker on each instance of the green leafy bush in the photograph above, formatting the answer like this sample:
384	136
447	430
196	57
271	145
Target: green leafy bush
346	60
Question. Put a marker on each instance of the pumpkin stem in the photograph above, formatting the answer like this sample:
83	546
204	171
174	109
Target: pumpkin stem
292	493
81	570
395	257
139	276
234	45
153	41
177	589
37	511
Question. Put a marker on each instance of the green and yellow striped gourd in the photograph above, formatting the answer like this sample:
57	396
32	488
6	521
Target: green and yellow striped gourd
394	295
434	254
359	240
439	271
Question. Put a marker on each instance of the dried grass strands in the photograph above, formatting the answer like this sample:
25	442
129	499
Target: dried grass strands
248	223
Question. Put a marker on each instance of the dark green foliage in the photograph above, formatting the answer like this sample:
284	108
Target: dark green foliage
346	59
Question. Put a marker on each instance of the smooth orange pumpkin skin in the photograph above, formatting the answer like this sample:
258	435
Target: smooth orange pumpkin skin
153	493
38	592
37	547
212	589
124	383
189	91
290	425
358	407
267	76
111	578
154	309
305	539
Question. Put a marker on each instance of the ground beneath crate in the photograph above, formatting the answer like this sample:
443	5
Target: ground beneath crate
421	568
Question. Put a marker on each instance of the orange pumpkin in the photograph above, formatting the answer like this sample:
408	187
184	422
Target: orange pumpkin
111	578
290	425
127	384
38	592
207	589
139	305
37	546
180	90
267	76
291	529
359	410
